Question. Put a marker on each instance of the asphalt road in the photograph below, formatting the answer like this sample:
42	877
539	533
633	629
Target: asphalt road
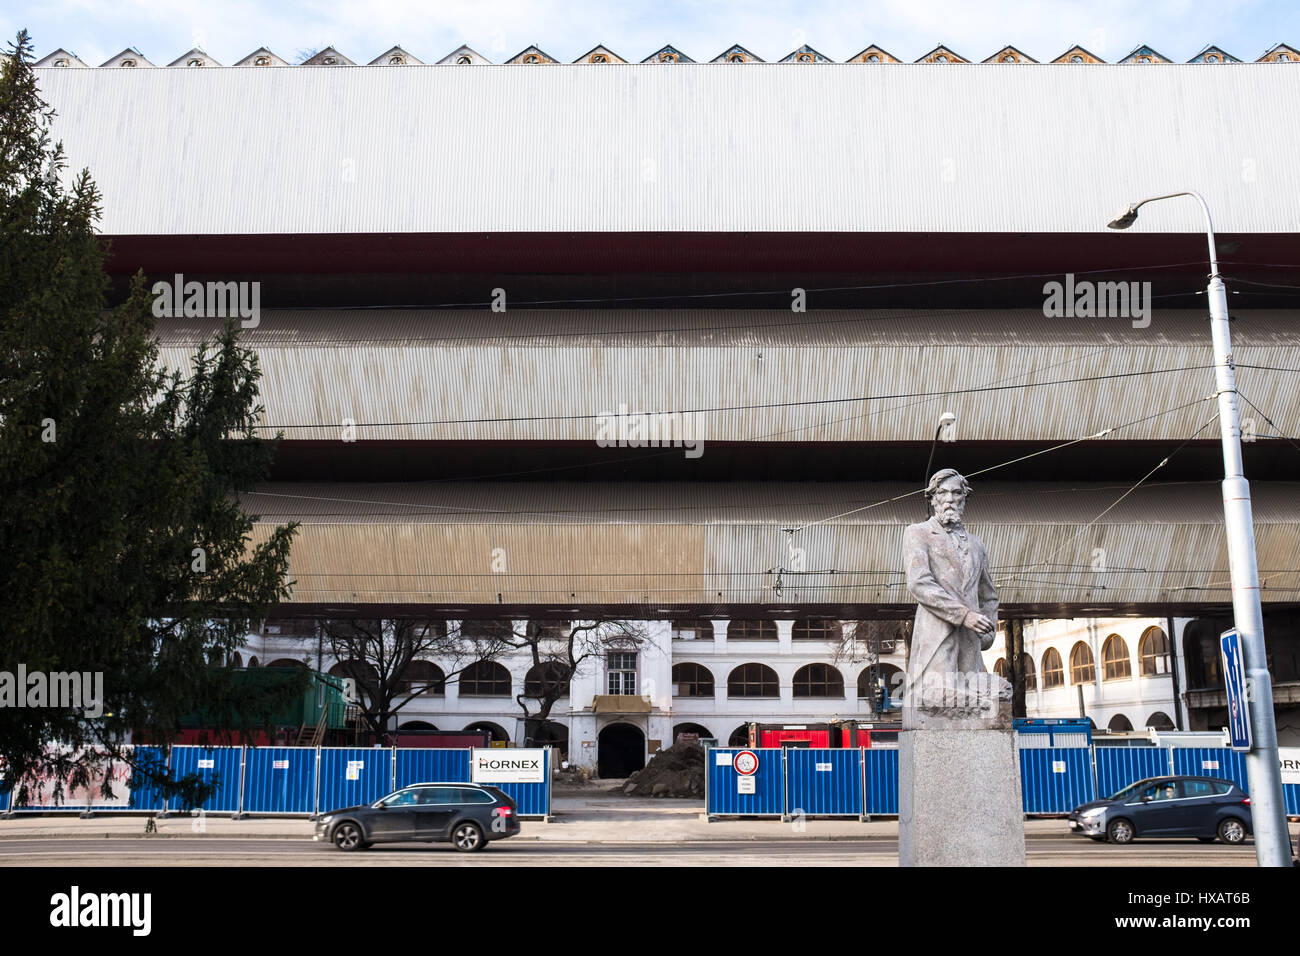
211	851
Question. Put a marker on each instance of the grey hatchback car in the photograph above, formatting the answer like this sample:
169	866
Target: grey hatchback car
1206	808
468	815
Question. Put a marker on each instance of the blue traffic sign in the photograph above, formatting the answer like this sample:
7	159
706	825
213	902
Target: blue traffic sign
1234	675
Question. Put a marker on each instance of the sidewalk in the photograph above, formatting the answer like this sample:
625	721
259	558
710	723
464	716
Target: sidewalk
576	819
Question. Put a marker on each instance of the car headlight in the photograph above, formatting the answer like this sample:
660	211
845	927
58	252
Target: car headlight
1092	814
325	820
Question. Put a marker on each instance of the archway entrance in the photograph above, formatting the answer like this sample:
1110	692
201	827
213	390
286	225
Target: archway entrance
620	751
698	729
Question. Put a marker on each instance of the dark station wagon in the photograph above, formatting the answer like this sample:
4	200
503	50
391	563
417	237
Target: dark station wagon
467	815
1206	808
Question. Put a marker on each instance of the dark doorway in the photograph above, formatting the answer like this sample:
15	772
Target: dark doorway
621	751
698	729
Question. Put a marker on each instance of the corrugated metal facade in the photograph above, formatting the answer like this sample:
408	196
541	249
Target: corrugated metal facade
823	782
702	543
695	147
1056	780
397	375
352	777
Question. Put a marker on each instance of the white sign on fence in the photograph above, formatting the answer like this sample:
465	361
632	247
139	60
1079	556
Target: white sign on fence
1058	766
722	758
1290	759
207	764
1209	765
508	766
746	785
821	767
279	765
354	770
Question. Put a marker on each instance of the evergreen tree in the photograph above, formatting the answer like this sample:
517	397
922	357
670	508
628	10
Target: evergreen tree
123	547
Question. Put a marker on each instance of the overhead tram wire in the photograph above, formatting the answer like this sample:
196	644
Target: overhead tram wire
441	509
601	300
1074	441
722	409
1164	461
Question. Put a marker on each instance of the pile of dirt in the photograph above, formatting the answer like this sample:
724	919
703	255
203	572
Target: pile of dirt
675	772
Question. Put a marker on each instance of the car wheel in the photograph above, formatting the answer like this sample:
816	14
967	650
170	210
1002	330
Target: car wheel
1206	839
1232	831
1120	831
348	837
467	837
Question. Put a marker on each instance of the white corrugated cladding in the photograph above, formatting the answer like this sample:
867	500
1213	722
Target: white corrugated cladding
670	542
423	376
997	148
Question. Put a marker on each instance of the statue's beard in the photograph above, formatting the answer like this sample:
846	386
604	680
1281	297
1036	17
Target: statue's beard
949	514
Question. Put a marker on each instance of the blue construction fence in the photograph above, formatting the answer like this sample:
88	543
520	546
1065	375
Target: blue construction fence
788	782
289	781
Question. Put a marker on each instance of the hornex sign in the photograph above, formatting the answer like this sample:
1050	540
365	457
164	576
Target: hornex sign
509	766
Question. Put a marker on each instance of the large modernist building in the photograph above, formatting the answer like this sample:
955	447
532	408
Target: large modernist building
672	342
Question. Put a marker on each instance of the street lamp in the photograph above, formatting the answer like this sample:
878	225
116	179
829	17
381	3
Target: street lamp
1263	771
945	420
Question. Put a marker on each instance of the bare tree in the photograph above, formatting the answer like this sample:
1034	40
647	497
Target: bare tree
556	651
392	661
866	641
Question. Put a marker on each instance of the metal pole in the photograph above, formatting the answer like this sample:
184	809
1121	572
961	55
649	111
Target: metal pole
1263	771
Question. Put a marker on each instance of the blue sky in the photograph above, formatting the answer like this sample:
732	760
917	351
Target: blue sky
230	29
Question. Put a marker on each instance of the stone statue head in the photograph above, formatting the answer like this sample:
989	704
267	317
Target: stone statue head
947	493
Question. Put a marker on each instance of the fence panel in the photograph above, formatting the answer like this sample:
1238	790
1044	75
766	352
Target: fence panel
1117	767
431	765
723	783
280	780
144	794
1056	780
824	783
1212	762
1291	794
219	765
353	776
531	799
881	781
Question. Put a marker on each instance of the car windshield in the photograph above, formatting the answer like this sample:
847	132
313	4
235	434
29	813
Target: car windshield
1131	790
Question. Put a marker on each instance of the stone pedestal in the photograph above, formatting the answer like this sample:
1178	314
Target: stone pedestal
959	800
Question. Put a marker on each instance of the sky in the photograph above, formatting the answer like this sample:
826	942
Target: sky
228	30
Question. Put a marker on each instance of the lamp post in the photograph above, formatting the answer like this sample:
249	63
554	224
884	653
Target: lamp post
1263	772
946	420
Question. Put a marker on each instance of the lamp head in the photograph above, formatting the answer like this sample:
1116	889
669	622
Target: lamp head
1124	219
947	418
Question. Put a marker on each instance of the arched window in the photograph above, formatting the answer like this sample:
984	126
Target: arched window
234	660
363	672
1001	669
1160	721
423	677
1082	670
751	631
1053	670
254	662
739	737
1153	650
288	662
485	679
1115	663
1118	724
495	731
817	629
417	725
753	680
873	58
463	60
818	680
545	679
1027	665
692	680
